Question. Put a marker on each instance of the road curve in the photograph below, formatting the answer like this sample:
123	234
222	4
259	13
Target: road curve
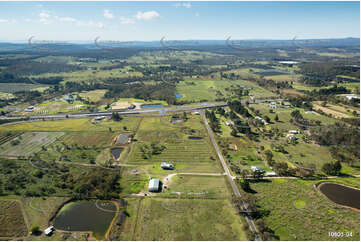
230	178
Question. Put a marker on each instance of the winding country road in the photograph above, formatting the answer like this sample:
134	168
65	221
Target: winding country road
230	178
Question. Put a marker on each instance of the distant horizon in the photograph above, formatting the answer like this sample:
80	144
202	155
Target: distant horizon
149	21
148	41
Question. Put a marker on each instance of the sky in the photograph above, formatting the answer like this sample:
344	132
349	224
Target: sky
150	21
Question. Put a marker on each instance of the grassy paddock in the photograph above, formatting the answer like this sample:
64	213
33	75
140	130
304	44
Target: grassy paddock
179	148
194	219
89	138
82	124
29	143
297	211
12	223
199	186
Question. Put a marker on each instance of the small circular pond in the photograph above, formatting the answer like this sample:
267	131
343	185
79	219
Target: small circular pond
340	194
94	216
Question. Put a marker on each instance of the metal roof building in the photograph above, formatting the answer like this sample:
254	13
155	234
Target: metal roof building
166	166
49	230
153	185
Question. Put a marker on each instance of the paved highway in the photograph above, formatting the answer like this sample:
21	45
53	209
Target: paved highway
161	111
230	178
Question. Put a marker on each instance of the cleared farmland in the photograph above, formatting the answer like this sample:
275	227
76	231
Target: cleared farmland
178	147
6	136
28	143
295	206
188	219
198	186
12	223
89	138
81	124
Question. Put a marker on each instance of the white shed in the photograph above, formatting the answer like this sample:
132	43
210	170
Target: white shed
49	231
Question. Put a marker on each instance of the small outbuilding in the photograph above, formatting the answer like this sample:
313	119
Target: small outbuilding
154	185
271	173
49	231
256	168
99	118
293	132
166	166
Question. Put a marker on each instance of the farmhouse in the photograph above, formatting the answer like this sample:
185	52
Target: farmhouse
271	173
49	231
288	63
232	147
228	123
99	118
291	137
69	98
132	106
153	185
293	132
166	166
273	105
255	168
350	97
261	119
29	109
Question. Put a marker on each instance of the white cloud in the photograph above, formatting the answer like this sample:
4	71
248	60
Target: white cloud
108	14
45	21
196	14
67	19
124	20
186	5
91	24
4	20
44	17
147	15
44	14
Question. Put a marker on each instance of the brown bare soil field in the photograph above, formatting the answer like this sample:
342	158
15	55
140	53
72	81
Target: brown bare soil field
12	223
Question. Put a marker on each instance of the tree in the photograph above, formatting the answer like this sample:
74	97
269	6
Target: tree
276	118
269	157
35	230
245	185
244	173
332	169
296	114
268	120
116	116
234	133
1	188
185	118
258	174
